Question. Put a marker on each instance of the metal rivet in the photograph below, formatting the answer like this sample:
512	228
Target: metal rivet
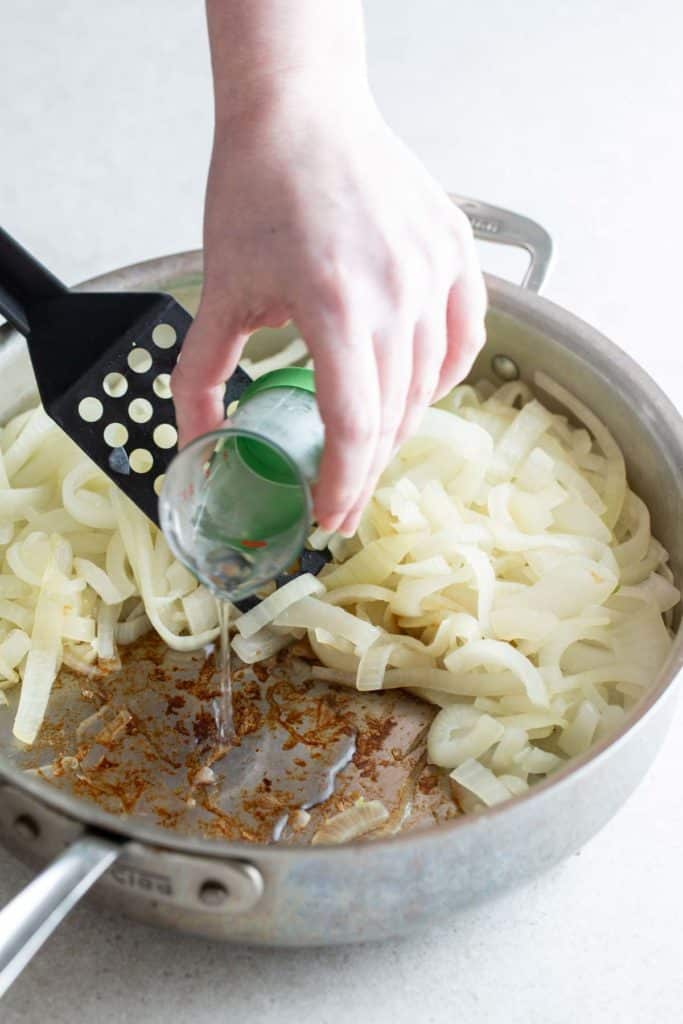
505	368
213	893
27	827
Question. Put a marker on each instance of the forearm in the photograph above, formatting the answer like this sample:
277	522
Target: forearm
255	43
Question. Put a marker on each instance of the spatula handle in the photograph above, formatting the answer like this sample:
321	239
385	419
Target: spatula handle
24	282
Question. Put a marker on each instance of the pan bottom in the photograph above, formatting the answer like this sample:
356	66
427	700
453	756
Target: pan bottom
143	742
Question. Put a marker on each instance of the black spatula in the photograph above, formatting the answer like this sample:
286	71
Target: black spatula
102	361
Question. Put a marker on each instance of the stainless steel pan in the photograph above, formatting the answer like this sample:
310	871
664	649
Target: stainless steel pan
314	895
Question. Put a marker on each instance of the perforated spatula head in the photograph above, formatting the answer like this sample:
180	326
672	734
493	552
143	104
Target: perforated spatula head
102	362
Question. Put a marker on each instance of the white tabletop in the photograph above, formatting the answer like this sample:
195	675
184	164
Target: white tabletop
568	112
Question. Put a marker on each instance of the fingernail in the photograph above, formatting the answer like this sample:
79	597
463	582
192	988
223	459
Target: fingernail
349	525
331	523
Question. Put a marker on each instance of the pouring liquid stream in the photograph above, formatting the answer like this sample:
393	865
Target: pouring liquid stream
223	706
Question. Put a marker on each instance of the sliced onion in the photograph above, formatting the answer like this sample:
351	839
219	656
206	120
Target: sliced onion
273	606
259	646
116	567
578	736
17	614
356	593
107	617
292	352
635	548
410	594
35	428
374	564
365	816
496	654
615	481
331	657
518	440
519	623
456	737
99	581
137	540
44	657
655	592
513	741
201	610
78	627
567	589
481	782
132	629
372	666
311	613
180	580
84	505
18	503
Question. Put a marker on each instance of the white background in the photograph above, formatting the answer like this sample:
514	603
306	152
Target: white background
567	111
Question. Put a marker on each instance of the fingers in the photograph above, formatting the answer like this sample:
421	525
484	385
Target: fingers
209	356
347	391
429	348
466	330
445	343
394	360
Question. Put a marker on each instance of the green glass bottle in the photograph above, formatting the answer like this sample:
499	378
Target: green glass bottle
236	504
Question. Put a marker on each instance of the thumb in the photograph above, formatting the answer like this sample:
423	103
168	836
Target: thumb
207	359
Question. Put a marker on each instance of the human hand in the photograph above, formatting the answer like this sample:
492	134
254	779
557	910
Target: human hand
315	211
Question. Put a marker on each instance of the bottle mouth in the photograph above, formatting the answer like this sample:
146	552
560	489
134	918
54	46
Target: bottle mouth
235	546
268	461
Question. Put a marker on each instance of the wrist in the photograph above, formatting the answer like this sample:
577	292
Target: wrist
283	92
261	48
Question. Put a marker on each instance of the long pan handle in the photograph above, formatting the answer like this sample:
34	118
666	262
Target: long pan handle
23	283
33	915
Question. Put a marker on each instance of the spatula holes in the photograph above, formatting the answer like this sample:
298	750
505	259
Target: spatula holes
90	409
159	483
164	336
115	385
139	360
165	435
115	435
141	460
162	385
140	410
